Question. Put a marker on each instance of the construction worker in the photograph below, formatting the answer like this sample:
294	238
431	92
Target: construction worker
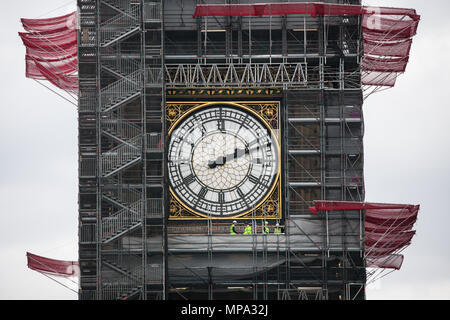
233	227
266	228
248	229
277	229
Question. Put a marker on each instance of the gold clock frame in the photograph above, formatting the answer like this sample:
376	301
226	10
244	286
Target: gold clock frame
268	112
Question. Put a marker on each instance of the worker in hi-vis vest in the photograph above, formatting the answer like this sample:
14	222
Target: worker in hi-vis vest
266	228
248	229
277	228
233	227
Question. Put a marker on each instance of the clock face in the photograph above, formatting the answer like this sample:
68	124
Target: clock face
223	160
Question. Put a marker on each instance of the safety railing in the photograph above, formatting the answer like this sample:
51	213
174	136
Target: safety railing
121	221
119	25
154	142
88	167
155	208
122	66
123	195
121	90
152	12
121	129
88	233
121	155
121	288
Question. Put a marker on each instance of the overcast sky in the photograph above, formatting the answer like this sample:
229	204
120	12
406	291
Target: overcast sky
406	160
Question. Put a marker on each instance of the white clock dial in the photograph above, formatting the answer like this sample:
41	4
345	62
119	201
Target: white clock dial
223	160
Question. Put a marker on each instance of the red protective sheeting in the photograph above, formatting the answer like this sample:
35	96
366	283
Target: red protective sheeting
263	9
397	27
387	48
287	8
394	261
56	42
388	240
384	64
50	25
387	38
387	228
51	266
51	51
324	205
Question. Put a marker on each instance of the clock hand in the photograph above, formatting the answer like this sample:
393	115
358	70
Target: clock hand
220	161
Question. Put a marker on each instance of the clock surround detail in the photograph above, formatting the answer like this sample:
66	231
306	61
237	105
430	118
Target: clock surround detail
222	164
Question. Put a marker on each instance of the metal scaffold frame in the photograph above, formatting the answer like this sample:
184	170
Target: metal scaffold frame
293	73
312	61
124	166
136	64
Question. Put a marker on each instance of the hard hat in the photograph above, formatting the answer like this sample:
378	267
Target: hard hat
266	222
234	221
277	224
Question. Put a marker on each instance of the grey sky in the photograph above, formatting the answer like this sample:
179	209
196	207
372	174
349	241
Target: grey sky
406	160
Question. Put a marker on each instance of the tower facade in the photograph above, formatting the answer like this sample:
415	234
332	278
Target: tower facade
191	118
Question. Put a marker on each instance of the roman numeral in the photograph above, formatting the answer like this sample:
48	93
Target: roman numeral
242	196
221	125
253	179
221	197
189	179
203	193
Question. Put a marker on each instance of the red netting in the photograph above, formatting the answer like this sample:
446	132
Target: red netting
51	50
387	228
51	266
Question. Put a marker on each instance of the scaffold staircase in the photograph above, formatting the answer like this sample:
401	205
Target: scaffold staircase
122	25
122	156
121	91
127	218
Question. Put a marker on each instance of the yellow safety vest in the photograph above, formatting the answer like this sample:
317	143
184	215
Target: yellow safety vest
248	230
232	229
266	230
277	230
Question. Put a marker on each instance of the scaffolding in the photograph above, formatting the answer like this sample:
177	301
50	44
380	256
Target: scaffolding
135	57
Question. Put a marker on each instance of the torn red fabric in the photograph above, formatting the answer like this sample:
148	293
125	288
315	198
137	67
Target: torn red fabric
59	79
387	228
388	240
399	27
50	25
57	42
51	51
52	266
